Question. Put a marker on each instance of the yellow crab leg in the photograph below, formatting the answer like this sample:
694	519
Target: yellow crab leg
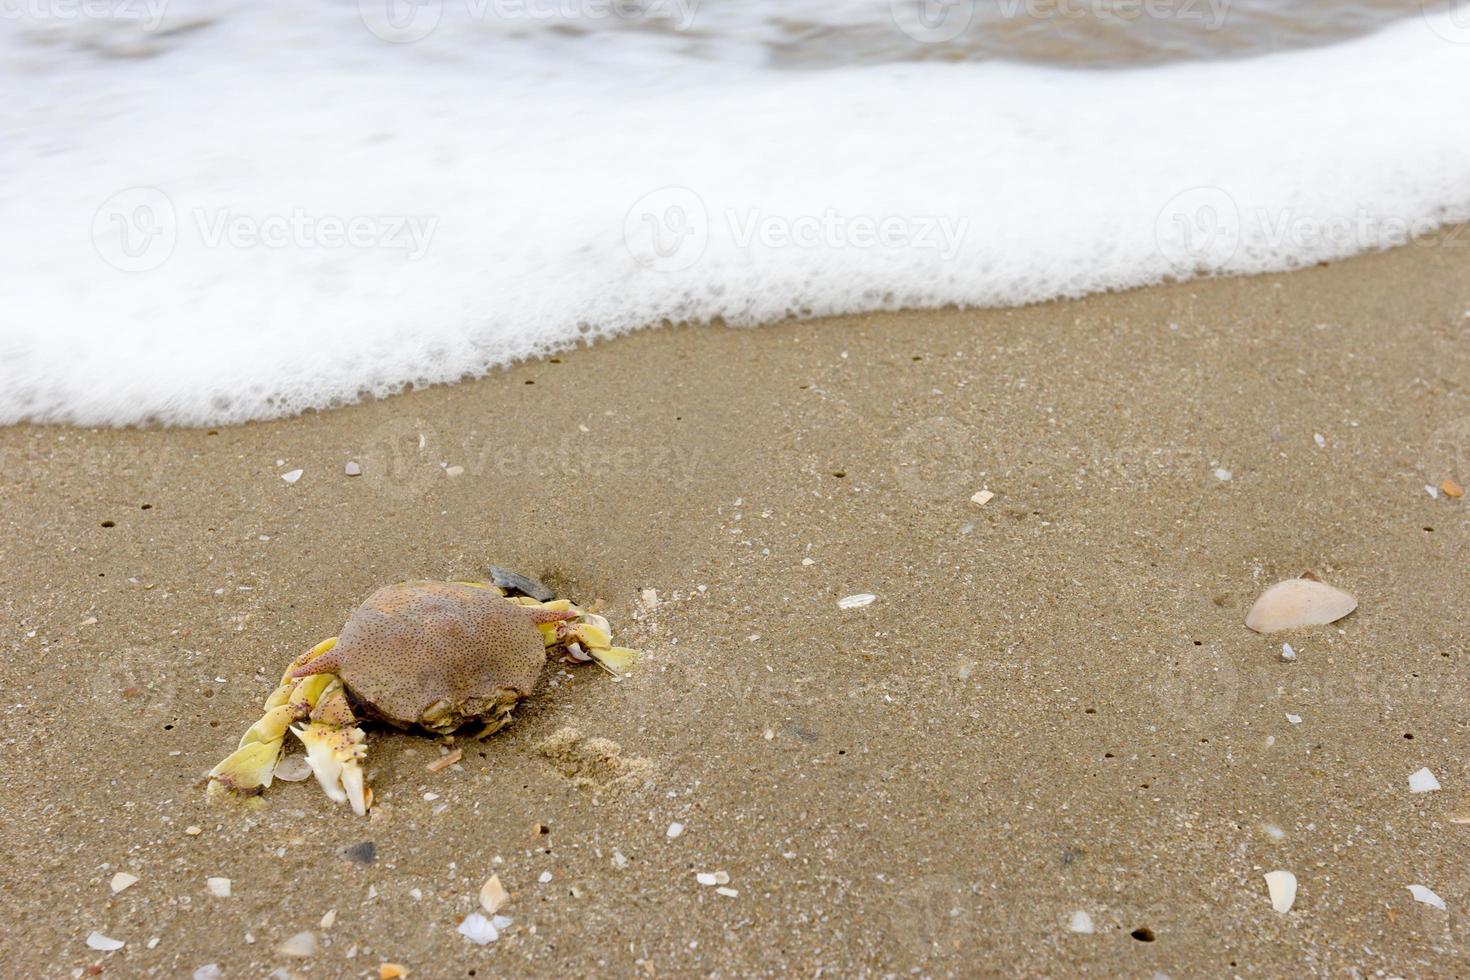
251	767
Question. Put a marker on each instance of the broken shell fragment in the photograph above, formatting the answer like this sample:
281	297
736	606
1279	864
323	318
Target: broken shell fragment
1298	602
1426	895
292	768
1282	887
493	895
524	584
478	929
1423	781
103	943
301	945
123	881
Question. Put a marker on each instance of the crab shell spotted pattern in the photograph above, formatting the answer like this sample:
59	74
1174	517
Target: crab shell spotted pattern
431	655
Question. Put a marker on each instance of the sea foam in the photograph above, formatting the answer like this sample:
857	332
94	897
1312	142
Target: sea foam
252	225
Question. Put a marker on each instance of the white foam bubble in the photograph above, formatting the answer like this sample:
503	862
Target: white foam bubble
211	236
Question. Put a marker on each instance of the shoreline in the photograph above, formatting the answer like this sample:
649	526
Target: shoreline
1053	691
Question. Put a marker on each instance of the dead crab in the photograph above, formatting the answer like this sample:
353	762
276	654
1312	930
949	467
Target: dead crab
431	655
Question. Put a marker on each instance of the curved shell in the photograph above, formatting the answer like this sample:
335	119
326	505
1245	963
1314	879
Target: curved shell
420	645
1298	602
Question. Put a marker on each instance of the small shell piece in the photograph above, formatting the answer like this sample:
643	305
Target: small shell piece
1282	887
1424	894
493	895
1298	602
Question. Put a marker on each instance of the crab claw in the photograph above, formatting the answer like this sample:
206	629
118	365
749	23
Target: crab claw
333	755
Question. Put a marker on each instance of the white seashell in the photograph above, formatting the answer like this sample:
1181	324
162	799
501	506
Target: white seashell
478	929
292	768
292	476
1282	887
1423	781
218	887
301	945
856	601
122	880
1426	895
1081	922
1298	602
107	944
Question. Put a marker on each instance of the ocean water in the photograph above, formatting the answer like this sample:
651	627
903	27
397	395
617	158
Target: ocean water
218	212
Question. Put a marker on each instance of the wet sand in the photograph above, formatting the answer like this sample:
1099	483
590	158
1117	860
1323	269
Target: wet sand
1052	705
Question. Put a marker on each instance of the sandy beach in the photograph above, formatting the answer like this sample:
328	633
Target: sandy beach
1051	706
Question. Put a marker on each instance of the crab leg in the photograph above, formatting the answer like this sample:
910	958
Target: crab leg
250	768
584	636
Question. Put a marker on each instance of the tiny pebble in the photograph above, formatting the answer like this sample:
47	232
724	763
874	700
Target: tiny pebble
209	971
982	498
727	892
218	887
1317	438
352	469
1287	653
292	476
1294	719
104	943
329	919
1081	922
453	471
1223	475
545	877
123	881
675	829
193	831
